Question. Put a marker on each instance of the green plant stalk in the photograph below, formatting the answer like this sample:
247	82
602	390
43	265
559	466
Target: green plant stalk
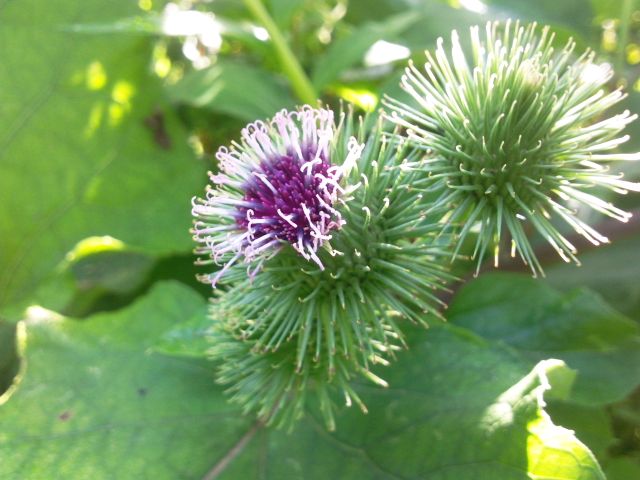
625	17
291	67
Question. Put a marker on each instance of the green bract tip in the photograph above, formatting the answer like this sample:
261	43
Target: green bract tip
270	385
516	138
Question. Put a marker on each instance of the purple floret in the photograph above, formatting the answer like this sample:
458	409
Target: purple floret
282	210
278	186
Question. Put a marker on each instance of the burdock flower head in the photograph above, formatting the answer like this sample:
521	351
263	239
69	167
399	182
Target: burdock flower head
277	187
517	137
339	249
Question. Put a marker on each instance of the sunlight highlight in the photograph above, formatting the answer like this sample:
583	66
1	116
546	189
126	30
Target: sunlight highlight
121	95
383	52
93	245
475	6
96	76
260	33
201	32
596	74
365	99
145	5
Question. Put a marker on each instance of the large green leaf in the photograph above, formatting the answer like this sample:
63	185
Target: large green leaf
623	469
85	145
579	328
611	270
569	18
93	402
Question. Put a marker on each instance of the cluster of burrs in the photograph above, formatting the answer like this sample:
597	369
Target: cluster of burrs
331	232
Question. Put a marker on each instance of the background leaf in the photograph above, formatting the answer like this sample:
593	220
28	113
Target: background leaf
350	49
623	469
283	10
87	147
611	270
236	89
575	16
602	345
592	425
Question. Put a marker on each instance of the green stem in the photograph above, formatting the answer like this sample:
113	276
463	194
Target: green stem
290	65
625	18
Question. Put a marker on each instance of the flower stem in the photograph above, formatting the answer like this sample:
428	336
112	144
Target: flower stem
291	67
625	17
240	445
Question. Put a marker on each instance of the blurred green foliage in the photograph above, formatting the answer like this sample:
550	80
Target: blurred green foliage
109	124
